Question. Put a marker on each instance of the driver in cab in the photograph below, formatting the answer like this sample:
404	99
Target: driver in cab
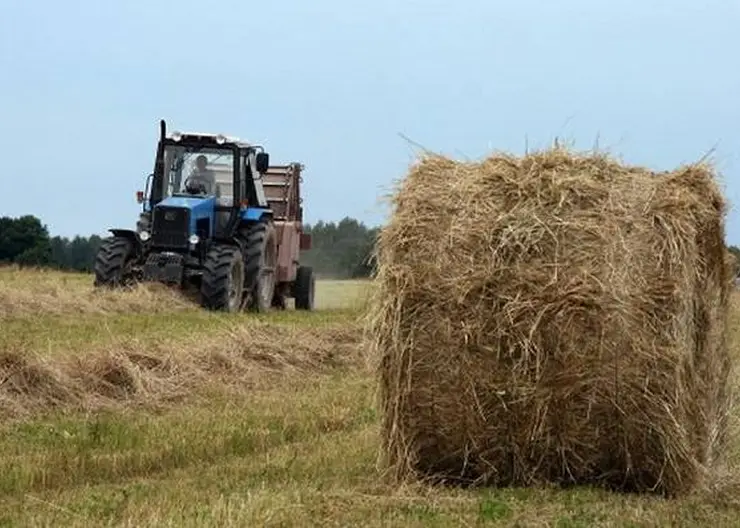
202	179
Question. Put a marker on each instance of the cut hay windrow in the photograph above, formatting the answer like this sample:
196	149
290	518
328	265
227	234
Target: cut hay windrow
553	318
132	373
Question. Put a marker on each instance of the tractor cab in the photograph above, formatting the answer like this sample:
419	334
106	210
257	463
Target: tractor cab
199	185
195	172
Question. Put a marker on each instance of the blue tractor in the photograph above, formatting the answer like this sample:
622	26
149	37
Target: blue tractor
218	217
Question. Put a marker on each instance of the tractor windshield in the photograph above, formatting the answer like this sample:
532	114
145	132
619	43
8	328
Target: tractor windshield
189	170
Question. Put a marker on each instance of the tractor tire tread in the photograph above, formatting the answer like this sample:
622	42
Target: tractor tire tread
254	242
215	282
110	260
304	288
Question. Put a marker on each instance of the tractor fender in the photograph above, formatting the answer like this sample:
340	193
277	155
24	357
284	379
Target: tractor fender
131	235
225	241
256	214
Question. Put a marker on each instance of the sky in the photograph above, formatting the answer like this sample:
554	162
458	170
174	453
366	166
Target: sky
338	85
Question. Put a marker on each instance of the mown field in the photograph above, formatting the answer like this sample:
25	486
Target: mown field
140	409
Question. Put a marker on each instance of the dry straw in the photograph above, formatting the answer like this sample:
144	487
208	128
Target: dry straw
38	292
132	373
558	317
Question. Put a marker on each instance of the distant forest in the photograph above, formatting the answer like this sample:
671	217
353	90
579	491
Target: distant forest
340	250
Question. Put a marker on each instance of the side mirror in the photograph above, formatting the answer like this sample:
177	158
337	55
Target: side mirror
140	196
263	162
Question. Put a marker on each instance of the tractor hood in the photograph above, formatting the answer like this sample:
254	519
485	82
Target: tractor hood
196	204
200	208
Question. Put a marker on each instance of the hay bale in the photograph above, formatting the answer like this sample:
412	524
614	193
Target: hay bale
553	318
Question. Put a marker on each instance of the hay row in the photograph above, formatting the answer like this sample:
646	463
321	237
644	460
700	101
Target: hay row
33	293
133	374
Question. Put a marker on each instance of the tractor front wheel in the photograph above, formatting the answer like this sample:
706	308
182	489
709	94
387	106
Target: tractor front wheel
114	263
222	284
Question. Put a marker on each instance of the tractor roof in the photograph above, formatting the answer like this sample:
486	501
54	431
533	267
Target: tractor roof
208	137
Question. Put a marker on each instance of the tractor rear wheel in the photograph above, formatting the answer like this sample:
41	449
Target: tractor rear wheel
304	288
222	284
114	263
261	265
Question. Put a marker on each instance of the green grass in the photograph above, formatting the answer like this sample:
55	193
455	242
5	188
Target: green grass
275	437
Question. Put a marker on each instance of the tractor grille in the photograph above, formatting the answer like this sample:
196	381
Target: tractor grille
171	227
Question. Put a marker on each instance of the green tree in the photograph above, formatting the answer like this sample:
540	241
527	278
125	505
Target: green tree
341	249
76	254
25	241
735	251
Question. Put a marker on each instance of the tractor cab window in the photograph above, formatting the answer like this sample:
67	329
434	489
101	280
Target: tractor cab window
190	171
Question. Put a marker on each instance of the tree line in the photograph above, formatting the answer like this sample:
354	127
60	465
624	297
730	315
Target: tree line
339	249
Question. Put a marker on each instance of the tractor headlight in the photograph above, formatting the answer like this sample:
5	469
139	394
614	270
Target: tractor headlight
144	236
194	239
176	136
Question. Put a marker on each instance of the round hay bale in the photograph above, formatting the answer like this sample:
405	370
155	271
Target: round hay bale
557	317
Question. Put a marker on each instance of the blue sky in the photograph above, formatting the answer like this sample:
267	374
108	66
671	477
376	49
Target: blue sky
332	84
